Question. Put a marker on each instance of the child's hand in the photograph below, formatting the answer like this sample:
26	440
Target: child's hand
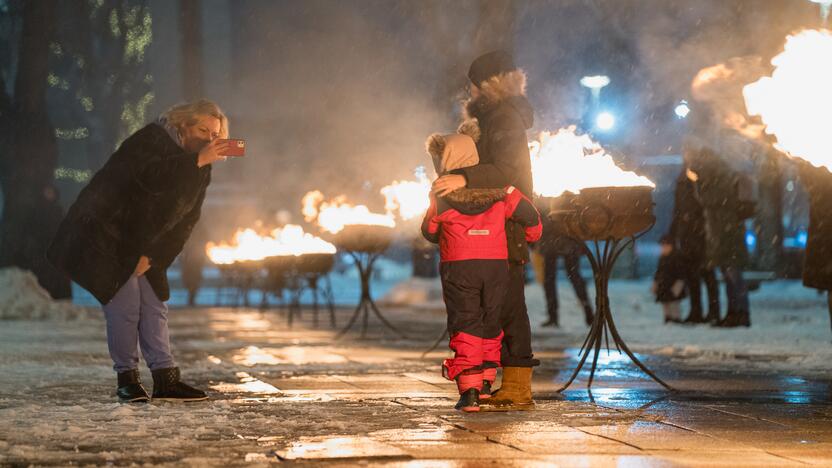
447	184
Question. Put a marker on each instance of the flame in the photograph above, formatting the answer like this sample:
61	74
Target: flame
794	102
568	162
310	204
716	91
248	245
332	216
410	198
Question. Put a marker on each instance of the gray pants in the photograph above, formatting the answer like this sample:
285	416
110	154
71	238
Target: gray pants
135	316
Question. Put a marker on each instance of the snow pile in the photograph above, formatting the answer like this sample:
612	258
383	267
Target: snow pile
21	297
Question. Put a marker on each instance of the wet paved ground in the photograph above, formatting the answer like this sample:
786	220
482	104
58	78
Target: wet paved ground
300	397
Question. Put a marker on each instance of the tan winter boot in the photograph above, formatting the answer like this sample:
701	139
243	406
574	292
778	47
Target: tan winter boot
515	393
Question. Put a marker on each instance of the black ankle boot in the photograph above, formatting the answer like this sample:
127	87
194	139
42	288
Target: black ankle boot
130	388
736	319
469	401
552	322
168	387
695	317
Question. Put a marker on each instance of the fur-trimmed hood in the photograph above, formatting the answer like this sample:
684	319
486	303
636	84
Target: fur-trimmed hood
435	144
480	108
473	201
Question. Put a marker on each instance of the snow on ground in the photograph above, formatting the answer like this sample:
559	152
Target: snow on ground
790	327
57	403
21	297
790	324
58	406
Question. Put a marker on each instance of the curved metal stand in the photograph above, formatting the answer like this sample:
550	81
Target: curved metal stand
298	285
364	262
318	290
602	261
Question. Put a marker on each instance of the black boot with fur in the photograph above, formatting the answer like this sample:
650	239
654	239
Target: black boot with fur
168	387
130	388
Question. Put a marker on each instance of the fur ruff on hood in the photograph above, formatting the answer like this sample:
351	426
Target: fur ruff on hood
508	89
451	152
477	108
435	144
473	201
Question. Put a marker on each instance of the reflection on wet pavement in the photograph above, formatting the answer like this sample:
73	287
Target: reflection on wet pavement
298	396
316	448
296	355
248	384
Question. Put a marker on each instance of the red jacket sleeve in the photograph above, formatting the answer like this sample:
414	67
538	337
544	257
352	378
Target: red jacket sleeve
430	223
522	211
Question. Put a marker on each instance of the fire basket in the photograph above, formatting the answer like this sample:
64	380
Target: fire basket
365	243
292	260
611	219
240	277
300	273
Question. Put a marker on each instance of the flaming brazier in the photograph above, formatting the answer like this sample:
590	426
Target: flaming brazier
299	273
365	243
610	219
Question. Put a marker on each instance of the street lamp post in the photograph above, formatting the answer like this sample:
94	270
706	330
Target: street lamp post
603	121
595	83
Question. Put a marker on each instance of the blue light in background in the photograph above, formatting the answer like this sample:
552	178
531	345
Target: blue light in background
682	109
801	238
605	121
750	240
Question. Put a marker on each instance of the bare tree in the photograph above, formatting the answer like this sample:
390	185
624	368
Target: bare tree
190	24
29	202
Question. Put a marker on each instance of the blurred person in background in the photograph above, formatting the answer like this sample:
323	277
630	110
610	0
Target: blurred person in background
687	230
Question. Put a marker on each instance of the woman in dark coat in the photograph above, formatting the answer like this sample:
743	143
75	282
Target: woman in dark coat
717	189
687	230
126	228
503	114
817	267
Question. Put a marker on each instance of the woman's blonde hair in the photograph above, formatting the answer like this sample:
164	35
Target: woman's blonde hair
187	114
504	85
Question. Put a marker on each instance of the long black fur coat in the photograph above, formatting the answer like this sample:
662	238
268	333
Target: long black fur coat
144	201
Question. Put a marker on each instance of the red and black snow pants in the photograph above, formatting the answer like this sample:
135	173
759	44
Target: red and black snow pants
474	291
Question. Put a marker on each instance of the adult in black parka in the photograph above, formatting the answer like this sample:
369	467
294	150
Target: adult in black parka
128	225
499	107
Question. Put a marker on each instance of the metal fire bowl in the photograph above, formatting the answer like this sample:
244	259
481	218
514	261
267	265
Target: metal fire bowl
364	238
601	213
318	263
314	264
248	266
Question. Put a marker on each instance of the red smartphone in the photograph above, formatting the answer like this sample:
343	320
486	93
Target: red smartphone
236	148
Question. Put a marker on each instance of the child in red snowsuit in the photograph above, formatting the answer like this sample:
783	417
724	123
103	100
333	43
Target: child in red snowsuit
469	225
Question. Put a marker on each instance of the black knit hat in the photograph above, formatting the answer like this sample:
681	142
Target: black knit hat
490	65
